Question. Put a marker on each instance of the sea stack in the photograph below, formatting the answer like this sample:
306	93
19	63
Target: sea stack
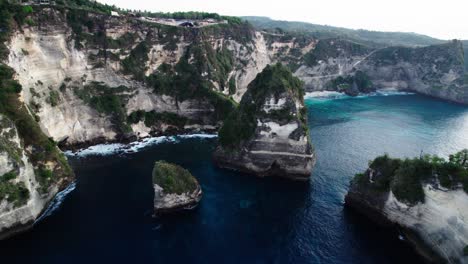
267	135
175	188
424	198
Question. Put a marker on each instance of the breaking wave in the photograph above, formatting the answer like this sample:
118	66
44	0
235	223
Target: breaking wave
57	202
118	148
331	95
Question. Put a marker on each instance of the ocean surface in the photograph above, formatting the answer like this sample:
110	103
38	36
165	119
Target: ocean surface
106	215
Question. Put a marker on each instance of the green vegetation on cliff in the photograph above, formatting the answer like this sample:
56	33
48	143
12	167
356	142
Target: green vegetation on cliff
358	80
273	81
333	48
153	118
40	149
323	31
107	100
191	78
15	193
405	178
173	178
10	16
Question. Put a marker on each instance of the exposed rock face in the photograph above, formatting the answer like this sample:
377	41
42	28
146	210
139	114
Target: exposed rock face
23	193
436	70
437	226
53	60
175	189
191	73
268	134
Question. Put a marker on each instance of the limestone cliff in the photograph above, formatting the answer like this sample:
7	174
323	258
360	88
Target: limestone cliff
268	135
436	71
86	73
342	65
90	77
424	198
32	168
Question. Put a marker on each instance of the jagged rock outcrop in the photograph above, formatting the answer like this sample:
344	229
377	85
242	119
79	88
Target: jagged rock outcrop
175	189
423	198
268	135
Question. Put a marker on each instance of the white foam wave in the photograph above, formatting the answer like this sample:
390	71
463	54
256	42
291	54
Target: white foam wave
325	94
117	148
57	202
331	95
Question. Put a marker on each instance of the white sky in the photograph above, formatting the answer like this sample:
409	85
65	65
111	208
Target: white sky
445	19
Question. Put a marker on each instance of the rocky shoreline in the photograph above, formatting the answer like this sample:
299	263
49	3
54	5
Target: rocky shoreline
173	203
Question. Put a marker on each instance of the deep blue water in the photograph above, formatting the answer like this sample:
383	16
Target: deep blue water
244	219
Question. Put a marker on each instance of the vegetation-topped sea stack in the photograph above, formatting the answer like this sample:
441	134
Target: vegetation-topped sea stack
426	198
268	135
175	188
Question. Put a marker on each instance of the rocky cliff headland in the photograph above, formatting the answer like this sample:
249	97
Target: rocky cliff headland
425	198
268	134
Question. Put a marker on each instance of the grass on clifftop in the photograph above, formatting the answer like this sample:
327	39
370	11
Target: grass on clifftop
173	178
405	178
274	80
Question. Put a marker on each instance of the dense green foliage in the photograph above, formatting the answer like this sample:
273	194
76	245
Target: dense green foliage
153	118
15	193
135	63
321	31
333	48
272	81
406	177
359	79
54	98
10	14
107	100
186	80
451	52
173	178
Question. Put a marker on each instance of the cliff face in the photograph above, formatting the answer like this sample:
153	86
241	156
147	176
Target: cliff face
32	169
91	77
67	58
341	65
430	211
434	70
268	134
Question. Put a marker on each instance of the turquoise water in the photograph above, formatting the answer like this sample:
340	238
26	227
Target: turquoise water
243	219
